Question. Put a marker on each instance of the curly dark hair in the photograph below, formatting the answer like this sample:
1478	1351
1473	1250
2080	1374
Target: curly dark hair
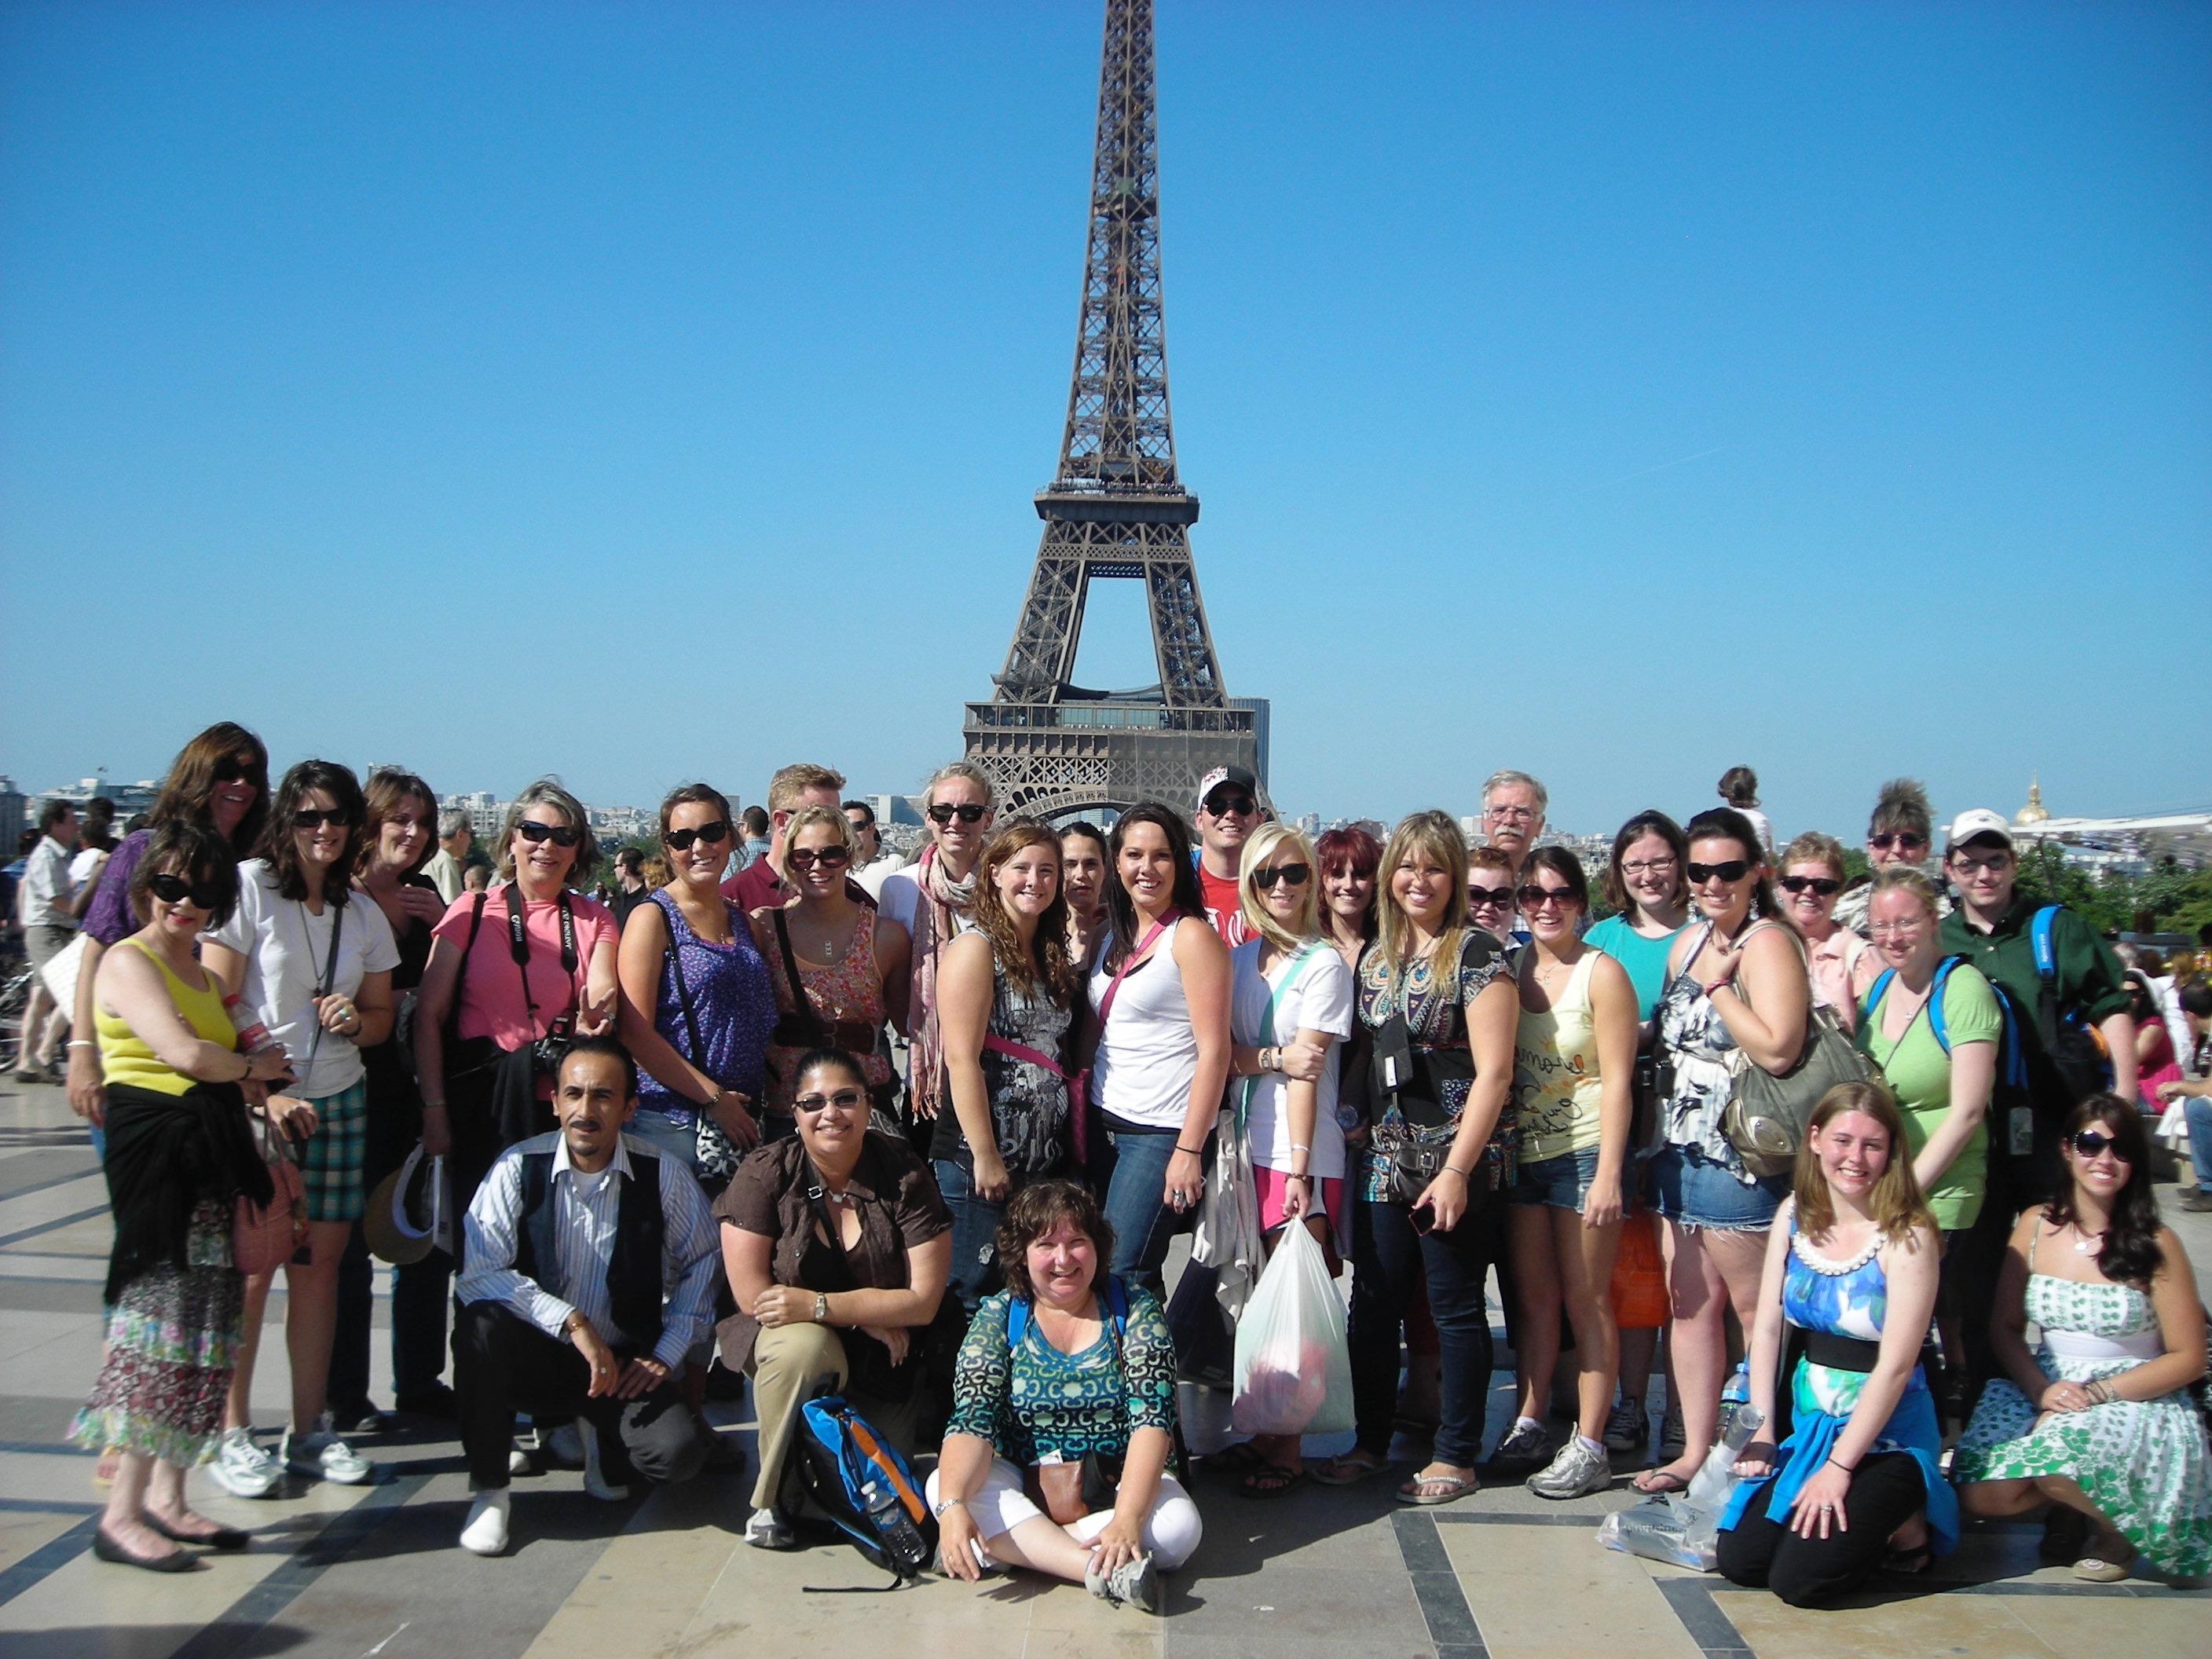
282	848
2131	1253
1034	1212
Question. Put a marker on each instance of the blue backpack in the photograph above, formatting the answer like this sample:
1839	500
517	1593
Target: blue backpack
1116	1297
859	1480
2012	1060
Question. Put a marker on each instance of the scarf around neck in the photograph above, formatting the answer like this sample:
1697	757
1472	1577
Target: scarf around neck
936	920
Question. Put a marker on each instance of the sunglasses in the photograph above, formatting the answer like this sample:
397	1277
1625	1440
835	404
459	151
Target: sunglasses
713	834
968	812
561	835
2088	1142
1291	875
1883	843
1532	897
1500	896
845	1100
830	858
1221	805
236	771
175	890
1823	885
313	817
1734	870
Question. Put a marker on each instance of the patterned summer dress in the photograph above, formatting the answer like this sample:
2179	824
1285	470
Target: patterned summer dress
1697	1044
848	988
2142	1463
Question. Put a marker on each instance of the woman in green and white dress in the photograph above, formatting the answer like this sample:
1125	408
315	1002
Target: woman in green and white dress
2098	1416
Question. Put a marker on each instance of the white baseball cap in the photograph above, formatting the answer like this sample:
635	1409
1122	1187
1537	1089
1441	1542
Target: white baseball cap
1976	821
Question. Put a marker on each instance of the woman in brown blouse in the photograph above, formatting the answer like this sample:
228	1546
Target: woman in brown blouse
837	1245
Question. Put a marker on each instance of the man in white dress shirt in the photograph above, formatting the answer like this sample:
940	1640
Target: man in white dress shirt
570	1245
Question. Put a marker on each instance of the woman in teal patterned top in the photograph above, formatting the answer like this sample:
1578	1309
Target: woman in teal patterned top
1063	1367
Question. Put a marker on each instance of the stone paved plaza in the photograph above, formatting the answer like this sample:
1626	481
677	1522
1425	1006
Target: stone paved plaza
352	1572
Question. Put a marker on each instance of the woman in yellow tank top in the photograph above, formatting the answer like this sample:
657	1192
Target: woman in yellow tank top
1574	1053
178	1156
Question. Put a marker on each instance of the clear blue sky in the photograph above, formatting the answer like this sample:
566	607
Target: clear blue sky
645	391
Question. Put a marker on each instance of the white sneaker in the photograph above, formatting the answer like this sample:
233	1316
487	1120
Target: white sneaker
564	1446
596	1484
322	1456
242	1469
485	1533
1135	1582
767	1530
1576	1472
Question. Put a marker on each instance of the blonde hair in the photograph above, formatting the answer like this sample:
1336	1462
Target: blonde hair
1896	1202
1437	834
1814	847
1903	877
959	768
1265	842
807	817
548	791
789	787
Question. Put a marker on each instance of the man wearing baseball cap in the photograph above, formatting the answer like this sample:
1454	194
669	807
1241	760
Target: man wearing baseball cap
1229	810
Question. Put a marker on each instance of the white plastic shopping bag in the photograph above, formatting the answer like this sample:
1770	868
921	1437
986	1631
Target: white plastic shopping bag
1294	1364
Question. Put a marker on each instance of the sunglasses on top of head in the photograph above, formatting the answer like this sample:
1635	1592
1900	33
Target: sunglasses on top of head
314	818
561	835
1732	870
713	834
968	812
830	858
1823	885
175	890
2088	1142
1291	875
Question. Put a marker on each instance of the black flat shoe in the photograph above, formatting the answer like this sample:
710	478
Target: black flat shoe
222	1538
108	1550
436	1402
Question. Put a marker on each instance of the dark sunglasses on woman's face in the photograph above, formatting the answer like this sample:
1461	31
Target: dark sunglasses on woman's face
1291	875
312	817
235	771
1534	898
1734	870
845	1100
175	890
2088	1142
967	811
830	858
713	834
1905	843
1500	896
1823	885
561	835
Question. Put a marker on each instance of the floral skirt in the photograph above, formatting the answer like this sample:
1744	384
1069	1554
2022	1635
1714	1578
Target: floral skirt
173	1341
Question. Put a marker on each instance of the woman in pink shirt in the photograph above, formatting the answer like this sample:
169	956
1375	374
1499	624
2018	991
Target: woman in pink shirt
1843	965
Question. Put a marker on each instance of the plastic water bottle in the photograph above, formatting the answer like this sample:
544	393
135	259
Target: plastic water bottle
1735	1397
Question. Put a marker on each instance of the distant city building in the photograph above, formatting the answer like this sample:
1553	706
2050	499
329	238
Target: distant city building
129	798
15	813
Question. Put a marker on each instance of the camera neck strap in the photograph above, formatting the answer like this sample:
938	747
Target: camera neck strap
518	942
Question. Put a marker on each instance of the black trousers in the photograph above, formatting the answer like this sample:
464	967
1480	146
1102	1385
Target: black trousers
1973	1258
505	1365
1886	1491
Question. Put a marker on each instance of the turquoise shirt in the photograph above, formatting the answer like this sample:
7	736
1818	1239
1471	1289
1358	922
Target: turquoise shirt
1645	959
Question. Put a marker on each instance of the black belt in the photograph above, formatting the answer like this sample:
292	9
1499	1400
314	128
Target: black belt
1852	1353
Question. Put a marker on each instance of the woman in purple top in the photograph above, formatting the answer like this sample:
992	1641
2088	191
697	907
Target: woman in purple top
221	777
696	1016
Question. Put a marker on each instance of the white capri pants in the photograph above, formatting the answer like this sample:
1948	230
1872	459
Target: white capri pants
1170	1532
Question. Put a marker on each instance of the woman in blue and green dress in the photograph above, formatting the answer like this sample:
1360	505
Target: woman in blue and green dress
1063	1416
2097	1417
1851	1274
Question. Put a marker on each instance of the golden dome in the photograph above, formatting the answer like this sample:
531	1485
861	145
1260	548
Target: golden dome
2035	811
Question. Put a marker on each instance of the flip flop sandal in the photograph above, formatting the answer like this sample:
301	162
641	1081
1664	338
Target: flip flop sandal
1271	1481
1663	1483
1455	1490
1242	1458
1349	1470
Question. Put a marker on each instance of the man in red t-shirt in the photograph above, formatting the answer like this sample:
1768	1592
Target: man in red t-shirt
760	884
1228	810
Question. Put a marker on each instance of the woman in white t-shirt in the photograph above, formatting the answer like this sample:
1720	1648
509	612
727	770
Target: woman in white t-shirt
316	970
1289	999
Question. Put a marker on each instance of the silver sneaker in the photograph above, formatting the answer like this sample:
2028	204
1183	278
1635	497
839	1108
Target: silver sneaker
1525	1448
1136	1582
242	1469
322	1456
1576	1472
1627	1426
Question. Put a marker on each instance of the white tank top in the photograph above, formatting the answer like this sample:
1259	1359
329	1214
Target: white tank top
1148	1054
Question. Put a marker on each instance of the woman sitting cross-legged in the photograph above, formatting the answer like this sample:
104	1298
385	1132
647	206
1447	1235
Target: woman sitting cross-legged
836	1245
1851	1263
1063	1418
2097	1416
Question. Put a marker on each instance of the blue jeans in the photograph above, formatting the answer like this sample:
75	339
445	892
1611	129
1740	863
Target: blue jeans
2199	1120
1389	1258
1133	1169
975	1274
678	1143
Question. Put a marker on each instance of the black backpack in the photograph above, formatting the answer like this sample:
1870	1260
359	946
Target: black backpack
866	1489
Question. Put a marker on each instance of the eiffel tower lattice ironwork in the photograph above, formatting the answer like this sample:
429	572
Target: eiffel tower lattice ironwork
1115	510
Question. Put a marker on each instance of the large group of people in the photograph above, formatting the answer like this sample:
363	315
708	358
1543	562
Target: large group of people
922	1136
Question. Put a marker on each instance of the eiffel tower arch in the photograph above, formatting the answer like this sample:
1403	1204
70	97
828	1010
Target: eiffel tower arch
1115	510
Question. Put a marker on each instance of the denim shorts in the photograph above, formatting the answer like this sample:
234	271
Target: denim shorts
1692	1191
1562	1182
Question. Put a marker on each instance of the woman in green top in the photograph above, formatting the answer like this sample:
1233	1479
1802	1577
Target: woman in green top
1942	1093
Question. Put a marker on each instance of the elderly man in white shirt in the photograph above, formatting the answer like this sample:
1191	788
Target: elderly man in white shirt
46	905
568	1248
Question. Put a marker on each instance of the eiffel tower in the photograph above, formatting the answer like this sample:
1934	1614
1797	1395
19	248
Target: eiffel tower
1115	510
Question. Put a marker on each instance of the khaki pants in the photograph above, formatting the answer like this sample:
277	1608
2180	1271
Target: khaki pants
793	1364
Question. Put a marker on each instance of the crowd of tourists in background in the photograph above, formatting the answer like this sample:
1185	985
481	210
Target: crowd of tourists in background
1801	1153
